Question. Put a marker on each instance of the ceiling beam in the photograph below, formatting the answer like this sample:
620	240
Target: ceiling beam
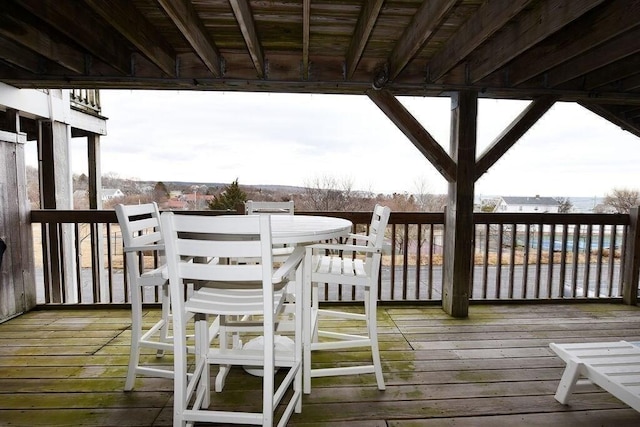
33	36
533	26
187	21
128	21
366	21
306	28
417	134
491	16
422	26
244	16
619	76
93	35
612	19
512	134
598	57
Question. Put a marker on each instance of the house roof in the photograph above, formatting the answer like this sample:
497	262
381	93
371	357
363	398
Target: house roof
540	201
585	51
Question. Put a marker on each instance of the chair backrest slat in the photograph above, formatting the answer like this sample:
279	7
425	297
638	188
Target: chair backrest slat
275	208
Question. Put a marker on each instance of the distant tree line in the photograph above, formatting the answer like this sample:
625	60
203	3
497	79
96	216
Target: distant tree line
319	194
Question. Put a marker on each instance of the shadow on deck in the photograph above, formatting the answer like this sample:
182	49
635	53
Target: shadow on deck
67	367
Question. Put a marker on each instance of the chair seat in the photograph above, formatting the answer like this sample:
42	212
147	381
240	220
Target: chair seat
230	302
341	268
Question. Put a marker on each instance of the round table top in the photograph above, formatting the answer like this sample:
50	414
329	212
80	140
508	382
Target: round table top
292	229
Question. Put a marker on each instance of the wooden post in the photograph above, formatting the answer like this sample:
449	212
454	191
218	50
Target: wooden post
631	273
459	235
55	193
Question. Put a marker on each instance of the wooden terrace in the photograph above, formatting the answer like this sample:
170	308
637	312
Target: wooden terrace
64	367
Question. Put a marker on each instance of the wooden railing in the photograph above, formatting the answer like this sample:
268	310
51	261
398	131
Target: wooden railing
517	257
87	100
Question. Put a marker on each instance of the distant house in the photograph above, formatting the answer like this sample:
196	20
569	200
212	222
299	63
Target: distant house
527	204
111	193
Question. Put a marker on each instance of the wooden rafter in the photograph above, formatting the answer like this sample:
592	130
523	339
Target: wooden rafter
244	16
422	26
306	28
622	74
93	36
368	16
417	134
29	35
604	54
615	18
187	21
521	125
123	16
488	19
515	38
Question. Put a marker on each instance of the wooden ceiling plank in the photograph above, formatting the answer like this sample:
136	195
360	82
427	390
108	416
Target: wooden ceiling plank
14	54
527	30
92	35
417	134
512	133
244	16
130	23
27	34
618	75
613	19
187	21
491	16
306	29
366	21
603	54
422	26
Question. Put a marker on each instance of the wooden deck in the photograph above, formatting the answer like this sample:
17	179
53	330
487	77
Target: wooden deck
67	367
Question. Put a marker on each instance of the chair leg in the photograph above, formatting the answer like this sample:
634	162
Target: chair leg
568	381
166	314
372	327
136	334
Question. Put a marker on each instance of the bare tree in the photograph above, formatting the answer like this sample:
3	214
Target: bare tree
622	200
565	205
333	194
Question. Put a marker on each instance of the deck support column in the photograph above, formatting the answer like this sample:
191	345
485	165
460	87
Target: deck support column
459	229
56	189
631	273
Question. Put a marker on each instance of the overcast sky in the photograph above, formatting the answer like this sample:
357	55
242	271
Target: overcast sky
294	139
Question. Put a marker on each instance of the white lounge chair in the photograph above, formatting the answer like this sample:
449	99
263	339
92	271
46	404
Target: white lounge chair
614	366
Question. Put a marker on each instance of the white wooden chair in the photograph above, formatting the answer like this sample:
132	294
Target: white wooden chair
357	265
230	291
614	366
140	227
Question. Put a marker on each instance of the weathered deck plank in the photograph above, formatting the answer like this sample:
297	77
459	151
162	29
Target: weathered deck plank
64	367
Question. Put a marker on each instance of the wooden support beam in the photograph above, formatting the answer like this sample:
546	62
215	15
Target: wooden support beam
613	19
306	28
14	27
517	37
512	134
93	35
605	53
418	135
366	21
489	18
459	226
422	26
186	19
244	16
631	273
125	18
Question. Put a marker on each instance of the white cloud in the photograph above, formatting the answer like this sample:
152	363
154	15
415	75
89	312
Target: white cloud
290	139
